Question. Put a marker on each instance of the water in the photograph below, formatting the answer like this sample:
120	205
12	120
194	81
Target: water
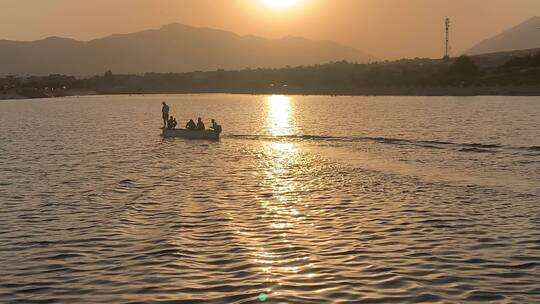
305	199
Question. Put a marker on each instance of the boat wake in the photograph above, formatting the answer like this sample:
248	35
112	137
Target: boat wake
431	144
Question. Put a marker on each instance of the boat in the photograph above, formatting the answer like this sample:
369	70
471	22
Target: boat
190	134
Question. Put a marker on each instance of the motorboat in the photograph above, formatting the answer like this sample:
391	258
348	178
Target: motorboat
190	134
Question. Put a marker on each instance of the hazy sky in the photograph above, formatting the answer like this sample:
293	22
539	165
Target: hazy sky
384	28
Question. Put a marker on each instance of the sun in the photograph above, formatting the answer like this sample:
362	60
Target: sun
280	3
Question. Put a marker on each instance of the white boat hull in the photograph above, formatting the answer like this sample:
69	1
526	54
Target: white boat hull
188	134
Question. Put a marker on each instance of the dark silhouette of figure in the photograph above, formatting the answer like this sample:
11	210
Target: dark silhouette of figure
171	123
191	125
200	125
165	114
215	126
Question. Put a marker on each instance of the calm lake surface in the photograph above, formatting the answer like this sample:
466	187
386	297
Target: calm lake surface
307	199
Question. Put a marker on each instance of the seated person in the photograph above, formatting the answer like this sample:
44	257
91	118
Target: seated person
173	124
215	126
170	123
191	125
200	125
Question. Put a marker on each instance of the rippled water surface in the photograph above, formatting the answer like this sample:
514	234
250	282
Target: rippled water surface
306	199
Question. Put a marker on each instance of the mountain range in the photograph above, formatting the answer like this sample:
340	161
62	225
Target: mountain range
524	36
172	48
182	48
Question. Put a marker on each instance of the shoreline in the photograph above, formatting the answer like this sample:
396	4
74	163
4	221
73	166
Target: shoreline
397	91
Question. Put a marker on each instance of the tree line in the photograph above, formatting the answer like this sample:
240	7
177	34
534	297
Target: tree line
333	78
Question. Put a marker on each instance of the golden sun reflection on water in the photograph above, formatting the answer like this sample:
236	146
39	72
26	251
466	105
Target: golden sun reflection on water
280	115
283	210
283	159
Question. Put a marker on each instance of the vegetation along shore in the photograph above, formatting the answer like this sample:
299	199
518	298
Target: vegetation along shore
510	73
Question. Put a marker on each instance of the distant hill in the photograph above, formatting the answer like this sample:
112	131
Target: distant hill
173	48
493	60
521	37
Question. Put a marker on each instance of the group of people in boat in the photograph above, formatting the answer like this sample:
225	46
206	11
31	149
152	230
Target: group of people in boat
170	123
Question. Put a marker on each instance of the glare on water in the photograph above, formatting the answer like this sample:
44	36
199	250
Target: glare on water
405	200
280	115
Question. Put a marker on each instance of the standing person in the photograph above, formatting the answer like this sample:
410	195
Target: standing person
200	125
165	114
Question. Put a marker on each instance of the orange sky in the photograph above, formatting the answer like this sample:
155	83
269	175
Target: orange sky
385	28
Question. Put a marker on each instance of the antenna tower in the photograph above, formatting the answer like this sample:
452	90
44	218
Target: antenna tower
447	40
